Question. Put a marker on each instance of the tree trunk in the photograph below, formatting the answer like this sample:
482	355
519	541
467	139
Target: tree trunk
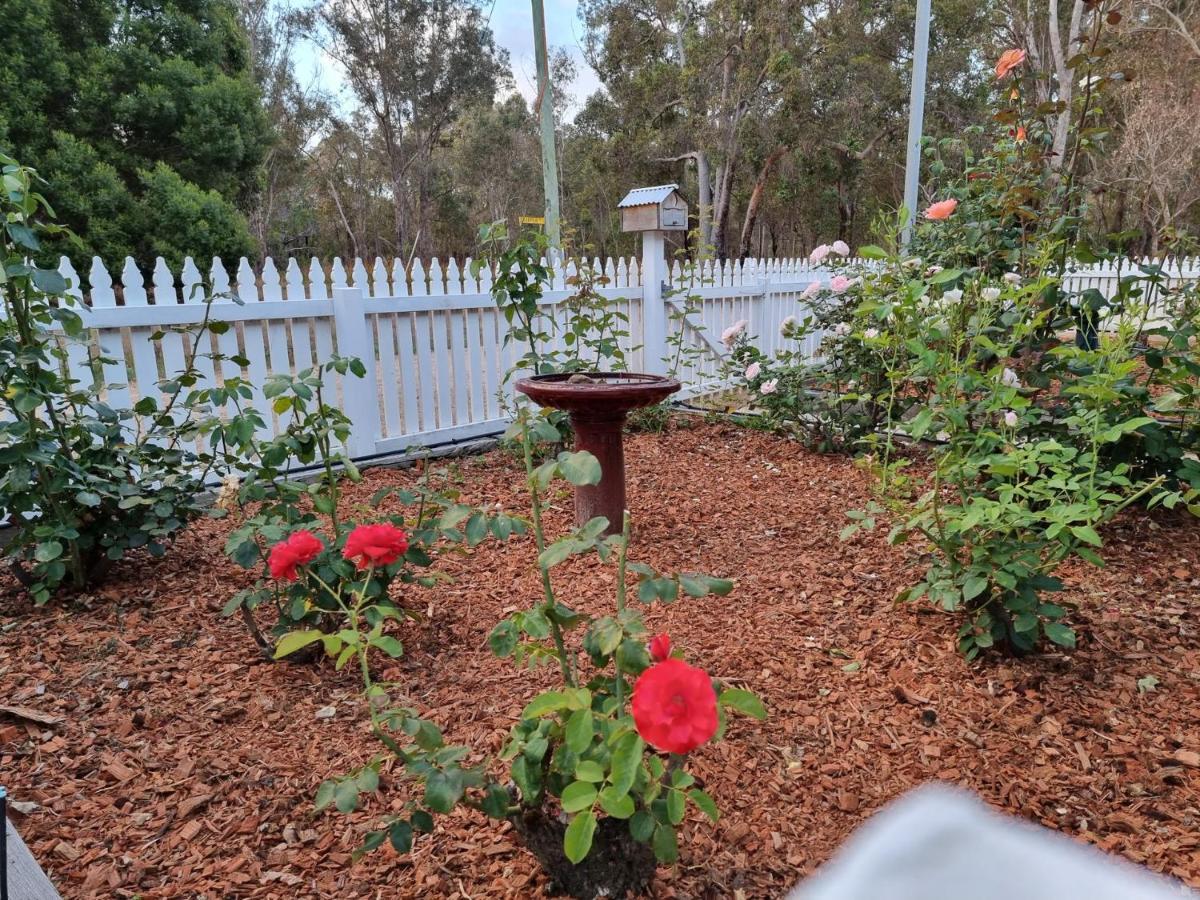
704	183
1063	75
755	203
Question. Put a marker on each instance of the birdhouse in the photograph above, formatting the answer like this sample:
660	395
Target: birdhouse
659	208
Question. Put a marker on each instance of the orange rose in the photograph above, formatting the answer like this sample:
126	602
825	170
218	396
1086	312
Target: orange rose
1009	60
941	210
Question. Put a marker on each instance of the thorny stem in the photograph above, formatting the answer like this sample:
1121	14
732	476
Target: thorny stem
622	560
330	479
539	535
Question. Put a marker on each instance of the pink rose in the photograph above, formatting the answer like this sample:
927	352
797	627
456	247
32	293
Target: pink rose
839	284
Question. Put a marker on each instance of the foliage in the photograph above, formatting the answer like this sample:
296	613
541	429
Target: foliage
1036	443
145	119
294	482
577	747
83	482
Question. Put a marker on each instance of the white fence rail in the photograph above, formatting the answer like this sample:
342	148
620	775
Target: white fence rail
431	336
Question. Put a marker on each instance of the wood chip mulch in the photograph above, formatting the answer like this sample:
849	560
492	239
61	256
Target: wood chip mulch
158	756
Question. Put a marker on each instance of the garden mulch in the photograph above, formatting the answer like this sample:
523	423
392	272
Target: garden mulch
167	759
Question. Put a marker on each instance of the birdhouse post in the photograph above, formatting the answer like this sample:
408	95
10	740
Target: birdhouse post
653	211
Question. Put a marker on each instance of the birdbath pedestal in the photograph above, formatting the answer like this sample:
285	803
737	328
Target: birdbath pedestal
597	403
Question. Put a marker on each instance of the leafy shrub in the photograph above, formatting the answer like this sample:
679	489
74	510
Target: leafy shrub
292	484
83	483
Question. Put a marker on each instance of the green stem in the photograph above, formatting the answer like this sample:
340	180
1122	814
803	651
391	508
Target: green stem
622	560
539	535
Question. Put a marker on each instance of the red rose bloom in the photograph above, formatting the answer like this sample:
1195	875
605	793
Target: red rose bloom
674	706
660	647
298	550
375	545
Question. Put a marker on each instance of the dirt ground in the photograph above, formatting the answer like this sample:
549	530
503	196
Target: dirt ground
172	761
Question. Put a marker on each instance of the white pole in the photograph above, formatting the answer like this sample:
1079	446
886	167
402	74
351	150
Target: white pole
546	115
916	116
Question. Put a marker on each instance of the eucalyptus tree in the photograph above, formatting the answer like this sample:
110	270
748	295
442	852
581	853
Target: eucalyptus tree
414	66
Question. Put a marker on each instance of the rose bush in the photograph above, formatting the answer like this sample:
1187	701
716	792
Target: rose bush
957	341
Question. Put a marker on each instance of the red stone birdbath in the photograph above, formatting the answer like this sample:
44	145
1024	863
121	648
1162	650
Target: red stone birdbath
597	403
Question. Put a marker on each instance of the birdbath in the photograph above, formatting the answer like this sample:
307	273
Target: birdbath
597	403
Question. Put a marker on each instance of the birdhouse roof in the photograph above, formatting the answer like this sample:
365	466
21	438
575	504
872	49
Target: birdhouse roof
648	195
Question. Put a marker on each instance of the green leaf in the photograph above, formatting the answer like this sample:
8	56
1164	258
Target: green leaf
641	826
579	731
325	794
550	701
388	645
705	803
619	806
295	640
578	839
400	835
744	702
496	801
49	281
503	639
973	587
1060	634
442	790
477	529
48	551
1087	534
676	806
626	760
580	467
666	846
578	795
589	770
345	796
871	251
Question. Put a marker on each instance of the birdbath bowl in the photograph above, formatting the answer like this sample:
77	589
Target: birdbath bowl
597	403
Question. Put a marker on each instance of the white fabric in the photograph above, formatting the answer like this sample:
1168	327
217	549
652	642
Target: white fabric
940	843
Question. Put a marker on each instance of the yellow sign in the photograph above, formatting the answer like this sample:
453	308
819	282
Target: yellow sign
532	220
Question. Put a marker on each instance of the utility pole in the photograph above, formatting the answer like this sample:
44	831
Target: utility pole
916	117
549	153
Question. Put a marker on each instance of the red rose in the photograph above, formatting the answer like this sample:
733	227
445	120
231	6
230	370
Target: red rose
298	550
674	706
375	545
660	647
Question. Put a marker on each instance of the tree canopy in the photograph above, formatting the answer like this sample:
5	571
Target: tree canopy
143	116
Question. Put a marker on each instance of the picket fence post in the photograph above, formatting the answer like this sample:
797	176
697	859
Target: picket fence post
360	402
654	308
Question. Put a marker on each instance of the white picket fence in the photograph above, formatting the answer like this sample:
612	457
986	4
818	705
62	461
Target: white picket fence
430	336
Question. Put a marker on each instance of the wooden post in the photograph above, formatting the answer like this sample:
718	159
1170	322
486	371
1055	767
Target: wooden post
654	308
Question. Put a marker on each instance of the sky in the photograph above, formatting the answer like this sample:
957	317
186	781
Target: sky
511	22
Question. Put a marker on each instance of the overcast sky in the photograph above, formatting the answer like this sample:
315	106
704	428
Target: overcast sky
511	22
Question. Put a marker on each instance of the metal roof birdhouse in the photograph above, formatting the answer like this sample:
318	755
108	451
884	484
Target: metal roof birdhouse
659	208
